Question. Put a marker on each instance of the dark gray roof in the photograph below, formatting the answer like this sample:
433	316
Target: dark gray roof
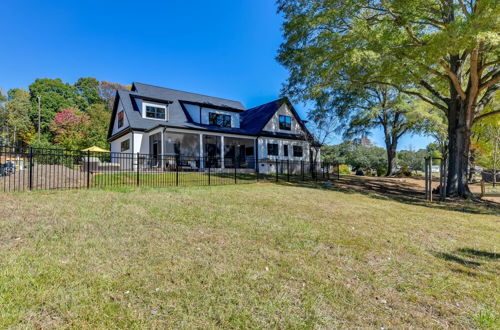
252	121
172	94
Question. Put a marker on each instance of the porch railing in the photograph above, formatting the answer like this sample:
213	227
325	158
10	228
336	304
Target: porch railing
39	169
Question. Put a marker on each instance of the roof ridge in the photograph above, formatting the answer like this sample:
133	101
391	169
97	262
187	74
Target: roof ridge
263	104
178	90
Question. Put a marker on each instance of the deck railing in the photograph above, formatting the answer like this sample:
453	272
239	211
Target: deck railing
27	168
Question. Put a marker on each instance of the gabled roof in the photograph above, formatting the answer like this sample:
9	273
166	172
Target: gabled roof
255	119
252	121
173	94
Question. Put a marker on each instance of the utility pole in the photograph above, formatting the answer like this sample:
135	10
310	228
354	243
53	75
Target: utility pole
39	117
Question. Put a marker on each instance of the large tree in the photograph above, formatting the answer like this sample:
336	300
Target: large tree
383	107
55	95
3	119
446	52
18	110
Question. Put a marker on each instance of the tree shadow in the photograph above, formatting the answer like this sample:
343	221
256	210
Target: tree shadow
478	253
458	260
404	192
477	262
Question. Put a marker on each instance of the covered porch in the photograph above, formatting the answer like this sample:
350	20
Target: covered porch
192	150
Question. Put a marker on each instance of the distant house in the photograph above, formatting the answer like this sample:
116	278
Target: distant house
163	122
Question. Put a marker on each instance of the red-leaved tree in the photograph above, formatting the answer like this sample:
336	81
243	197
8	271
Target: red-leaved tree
70	127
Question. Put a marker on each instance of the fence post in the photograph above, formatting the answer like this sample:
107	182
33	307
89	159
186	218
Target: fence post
234	169
276	169
315	171
426	169
138	168
430	180
257	168
88	169
31	169
177	160
338	171
288	170
302	169
209	174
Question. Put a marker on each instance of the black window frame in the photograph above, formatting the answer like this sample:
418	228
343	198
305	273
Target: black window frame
120	120
219	119
298	151
286	123
285	150
272	149
164	109
127	141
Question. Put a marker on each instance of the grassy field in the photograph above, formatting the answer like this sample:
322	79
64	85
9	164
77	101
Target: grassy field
258	255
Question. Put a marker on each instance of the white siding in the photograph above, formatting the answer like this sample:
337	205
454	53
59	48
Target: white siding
273	124
116	144
115	120
263	141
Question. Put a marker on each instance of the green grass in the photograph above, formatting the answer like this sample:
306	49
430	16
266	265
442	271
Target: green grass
169	179
248	256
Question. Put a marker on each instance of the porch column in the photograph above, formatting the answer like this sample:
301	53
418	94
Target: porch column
162	146
202	159
222	151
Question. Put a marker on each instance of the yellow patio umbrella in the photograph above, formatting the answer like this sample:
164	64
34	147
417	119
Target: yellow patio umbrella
95	149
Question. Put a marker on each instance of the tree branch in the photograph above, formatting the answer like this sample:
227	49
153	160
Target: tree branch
484	115
421	96
454	79
494	79
433	91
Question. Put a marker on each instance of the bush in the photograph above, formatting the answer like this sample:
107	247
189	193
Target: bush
344	169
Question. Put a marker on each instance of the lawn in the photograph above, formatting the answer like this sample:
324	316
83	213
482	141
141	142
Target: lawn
258	255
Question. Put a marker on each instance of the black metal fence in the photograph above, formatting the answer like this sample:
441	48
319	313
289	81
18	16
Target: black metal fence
40	169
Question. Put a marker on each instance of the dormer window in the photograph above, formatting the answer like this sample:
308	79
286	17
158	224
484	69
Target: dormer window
154	111
219	119
286	123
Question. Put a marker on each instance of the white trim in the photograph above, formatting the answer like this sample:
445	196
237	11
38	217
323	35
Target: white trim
156	105
194	131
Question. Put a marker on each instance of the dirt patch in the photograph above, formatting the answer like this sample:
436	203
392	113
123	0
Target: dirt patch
45	177
404	187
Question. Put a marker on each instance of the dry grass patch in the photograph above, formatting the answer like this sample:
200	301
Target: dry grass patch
260	255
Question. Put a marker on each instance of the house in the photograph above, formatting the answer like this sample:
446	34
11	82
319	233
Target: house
162	123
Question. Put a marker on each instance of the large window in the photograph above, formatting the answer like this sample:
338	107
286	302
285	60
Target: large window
285	150
272	149
297	151
125	145
152	111
120	119
218	119
286	123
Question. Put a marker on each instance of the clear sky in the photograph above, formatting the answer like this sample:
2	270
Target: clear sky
223	48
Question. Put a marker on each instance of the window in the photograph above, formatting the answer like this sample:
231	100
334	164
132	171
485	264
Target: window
297	151
218	119
125	145
120	119
285	123
272	149
285	150
154	112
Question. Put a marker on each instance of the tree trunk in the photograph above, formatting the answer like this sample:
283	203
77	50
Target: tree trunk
459	131
391	158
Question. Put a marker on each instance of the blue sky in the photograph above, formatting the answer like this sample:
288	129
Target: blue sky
224	48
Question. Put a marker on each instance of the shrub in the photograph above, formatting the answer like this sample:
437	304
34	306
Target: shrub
344	169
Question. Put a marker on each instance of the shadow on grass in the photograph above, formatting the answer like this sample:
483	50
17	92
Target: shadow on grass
477	262
388	189
458	260
478	253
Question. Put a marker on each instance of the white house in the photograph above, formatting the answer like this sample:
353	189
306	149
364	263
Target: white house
161	123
